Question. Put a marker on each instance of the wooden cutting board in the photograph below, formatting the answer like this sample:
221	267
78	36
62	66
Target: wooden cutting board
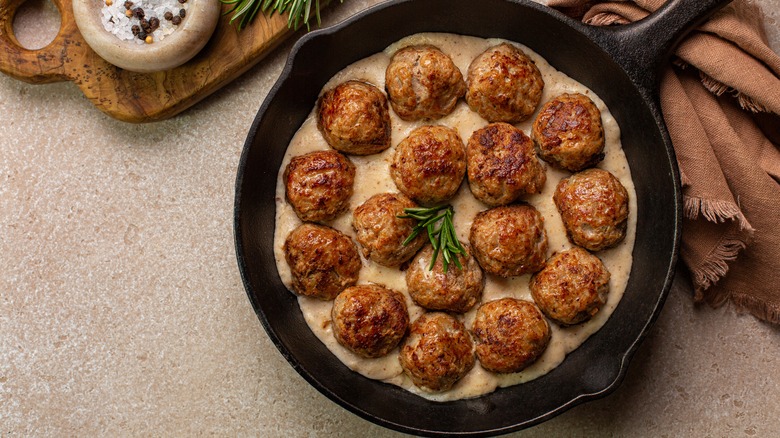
137	97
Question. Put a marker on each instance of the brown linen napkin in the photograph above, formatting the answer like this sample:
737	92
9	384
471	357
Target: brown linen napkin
721	103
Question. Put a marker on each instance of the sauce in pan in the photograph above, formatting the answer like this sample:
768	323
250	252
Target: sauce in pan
373	177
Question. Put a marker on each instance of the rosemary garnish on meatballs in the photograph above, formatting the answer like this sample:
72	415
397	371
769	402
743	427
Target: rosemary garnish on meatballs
443	238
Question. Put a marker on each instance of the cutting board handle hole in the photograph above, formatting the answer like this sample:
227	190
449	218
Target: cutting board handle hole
36	23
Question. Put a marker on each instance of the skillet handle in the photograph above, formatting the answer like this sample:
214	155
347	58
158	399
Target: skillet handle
643	47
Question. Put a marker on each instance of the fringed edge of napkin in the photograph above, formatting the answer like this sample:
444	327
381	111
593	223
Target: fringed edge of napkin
716	265
715	211
718	88
757	308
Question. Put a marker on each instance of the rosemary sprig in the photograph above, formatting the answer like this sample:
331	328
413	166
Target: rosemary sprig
299	11
442	238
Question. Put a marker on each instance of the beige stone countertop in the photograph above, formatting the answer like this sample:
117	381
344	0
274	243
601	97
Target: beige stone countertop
122	311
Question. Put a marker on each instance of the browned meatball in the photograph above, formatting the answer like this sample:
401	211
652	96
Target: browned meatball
568	132
381	233
509	240
323	261
319	185
354	118
370	320
571	287
423	83
457	290
429	164
504	85
438	351
594	208
510	335
502	165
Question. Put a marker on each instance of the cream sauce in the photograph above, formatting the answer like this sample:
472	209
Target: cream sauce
372	177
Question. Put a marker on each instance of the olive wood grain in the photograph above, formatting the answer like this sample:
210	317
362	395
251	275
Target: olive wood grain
35	66
137	97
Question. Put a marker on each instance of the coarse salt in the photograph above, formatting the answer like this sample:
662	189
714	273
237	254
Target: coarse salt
117	23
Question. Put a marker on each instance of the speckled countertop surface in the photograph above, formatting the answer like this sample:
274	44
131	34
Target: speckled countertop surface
122	310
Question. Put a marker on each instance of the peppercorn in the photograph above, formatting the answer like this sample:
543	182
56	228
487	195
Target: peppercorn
149	39
176	20
135	29
128	4
182	1
109	2
182	13
168	15
146	26
154	23
129	13
139	13
141	35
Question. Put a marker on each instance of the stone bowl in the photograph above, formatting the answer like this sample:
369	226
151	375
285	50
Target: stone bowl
172	51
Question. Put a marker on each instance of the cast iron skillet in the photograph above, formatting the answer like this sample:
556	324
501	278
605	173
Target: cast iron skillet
620	64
